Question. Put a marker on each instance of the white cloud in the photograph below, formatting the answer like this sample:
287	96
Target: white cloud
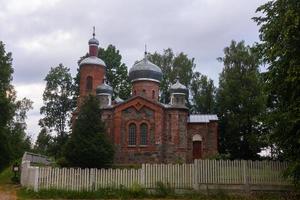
45	43
19	7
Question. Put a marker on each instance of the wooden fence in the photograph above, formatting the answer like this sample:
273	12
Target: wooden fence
181	176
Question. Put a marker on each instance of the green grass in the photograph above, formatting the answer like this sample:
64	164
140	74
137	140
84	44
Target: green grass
140	193
5	176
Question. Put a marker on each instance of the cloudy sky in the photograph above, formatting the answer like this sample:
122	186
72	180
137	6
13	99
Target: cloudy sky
43	33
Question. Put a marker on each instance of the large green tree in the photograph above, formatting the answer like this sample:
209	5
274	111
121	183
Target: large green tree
172	66
116	71
58	104
6	105
89	146
280	48
203	94
240	101
13	138
19	140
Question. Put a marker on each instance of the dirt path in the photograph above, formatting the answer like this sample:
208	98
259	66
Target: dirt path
8	192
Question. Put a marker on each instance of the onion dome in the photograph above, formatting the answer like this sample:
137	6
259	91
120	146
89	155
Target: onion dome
145	70
93	41
92	60
178	88
104	88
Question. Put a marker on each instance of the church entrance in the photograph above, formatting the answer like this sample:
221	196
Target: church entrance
197	147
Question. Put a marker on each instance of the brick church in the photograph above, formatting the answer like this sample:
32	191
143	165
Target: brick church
143	129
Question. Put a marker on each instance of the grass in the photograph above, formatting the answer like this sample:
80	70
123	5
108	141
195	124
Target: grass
137	192
5	176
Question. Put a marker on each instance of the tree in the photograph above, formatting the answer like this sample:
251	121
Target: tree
44	143
6	105
240	102
89	145
58	104
13	139
203	94
18	138
173	66
116	71
280	50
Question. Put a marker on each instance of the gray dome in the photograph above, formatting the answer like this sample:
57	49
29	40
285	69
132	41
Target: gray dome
178	88
93	41
104	88
145	70
93	60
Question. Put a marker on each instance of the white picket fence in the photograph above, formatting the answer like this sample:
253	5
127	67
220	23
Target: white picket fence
185	176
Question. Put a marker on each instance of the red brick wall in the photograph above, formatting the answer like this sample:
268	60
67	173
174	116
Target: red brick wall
169	134
146	89
176	135
97	73
138	111
93	49
209	134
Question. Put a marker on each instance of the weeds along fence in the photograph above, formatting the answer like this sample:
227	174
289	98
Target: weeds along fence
177	176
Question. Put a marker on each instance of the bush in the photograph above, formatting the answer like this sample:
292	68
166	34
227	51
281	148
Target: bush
164	190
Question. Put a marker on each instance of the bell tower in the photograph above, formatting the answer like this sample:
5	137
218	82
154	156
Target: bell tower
92	71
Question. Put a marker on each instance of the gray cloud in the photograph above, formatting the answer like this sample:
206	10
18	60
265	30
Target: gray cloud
43	33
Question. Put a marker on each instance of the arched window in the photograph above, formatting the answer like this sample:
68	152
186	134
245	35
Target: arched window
132	134
134	93
153	94
144	133
89	83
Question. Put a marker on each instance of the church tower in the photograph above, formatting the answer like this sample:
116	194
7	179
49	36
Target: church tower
92	71
145	78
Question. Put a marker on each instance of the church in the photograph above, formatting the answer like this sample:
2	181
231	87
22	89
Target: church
142	129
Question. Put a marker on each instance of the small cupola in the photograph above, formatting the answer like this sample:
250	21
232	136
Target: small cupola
93	53
178	93
104	93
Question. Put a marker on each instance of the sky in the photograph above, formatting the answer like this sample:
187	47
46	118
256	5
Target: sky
44	33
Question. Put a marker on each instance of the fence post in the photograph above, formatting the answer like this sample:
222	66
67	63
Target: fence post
24	172
36	179
195	175
246	183
143	175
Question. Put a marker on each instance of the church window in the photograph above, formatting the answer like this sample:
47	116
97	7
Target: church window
132	134
144	133
89	83
153	94
134	93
